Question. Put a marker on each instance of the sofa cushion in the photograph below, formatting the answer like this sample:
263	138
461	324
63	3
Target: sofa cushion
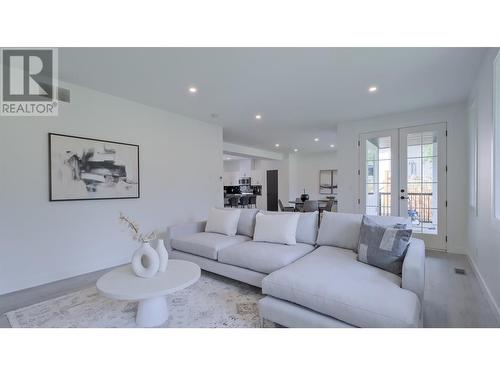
223	221
280	229
331	281
246	225
307	227
262	256
206	244
340	230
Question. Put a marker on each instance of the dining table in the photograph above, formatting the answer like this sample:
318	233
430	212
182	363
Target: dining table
299	204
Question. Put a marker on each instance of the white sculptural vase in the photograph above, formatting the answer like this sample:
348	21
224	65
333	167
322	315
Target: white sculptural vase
162	254
145	261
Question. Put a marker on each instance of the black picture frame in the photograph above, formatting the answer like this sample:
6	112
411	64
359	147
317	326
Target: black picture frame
52	198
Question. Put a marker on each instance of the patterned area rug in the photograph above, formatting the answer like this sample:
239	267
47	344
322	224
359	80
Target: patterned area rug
213	301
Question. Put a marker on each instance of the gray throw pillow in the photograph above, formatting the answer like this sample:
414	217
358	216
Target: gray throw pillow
383	246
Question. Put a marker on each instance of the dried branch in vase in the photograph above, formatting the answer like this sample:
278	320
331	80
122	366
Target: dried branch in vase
135	229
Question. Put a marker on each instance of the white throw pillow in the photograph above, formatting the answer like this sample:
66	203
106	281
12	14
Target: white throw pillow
276	228
307	227
223	221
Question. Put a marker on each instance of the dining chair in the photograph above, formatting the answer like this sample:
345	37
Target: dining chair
253	201
283	208
329	205
234	201
244	201
310	206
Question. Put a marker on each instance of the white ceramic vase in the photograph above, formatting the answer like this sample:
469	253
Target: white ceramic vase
145	261
162	254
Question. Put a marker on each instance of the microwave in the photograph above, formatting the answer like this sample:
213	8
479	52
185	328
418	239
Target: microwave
245	181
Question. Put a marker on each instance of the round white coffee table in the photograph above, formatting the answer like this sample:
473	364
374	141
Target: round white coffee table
123	284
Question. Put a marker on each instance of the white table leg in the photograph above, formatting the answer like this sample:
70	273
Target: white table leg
152	312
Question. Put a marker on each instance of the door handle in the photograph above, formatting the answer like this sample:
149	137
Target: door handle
403	197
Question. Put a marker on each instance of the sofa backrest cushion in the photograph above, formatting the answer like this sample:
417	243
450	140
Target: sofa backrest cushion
223	221
280	229
246	224
307	227
343	229
339	230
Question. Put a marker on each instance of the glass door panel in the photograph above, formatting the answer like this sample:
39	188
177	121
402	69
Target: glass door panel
379	155
422	190
403	173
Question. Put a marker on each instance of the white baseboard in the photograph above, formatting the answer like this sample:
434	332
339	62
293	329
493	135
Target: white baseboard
485	288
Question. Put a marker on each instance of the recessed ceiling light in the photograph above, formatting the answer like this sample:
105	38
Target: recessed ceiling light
277	145
372	88
258	117
332	146
295	149
193	90
316	139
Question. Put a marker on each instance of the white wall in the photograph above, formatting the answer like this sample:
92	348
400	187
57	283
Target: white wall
484	230
42	241
232	165
243	165
456	117
308	167
236	169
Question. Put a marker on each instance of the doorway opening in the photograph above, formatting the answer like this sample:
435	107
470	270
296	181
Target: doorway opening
272	190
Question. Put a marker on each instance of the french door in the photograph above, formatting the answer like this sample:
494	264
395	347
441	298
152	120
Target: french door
403	173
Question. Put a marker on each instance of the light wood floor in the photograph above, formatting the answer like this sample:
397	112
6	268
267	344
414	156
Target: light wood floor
451	300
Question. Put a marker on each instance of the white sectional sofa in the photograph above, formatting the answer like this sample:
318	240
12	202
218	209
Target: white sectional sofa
239	257
310	285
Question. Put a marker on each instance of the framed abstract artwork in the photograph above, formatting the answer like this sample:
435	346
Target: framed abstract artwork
327	181
86	168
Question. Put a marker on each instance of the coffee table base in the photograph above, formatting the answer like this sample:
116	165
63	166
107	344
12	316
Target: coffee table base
152	312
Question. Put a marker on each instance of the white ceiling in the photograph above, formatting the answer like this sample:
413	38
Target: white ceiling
300	92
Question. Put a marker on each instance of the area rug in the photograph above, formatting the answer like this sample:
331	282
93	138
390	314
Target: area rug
213	301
